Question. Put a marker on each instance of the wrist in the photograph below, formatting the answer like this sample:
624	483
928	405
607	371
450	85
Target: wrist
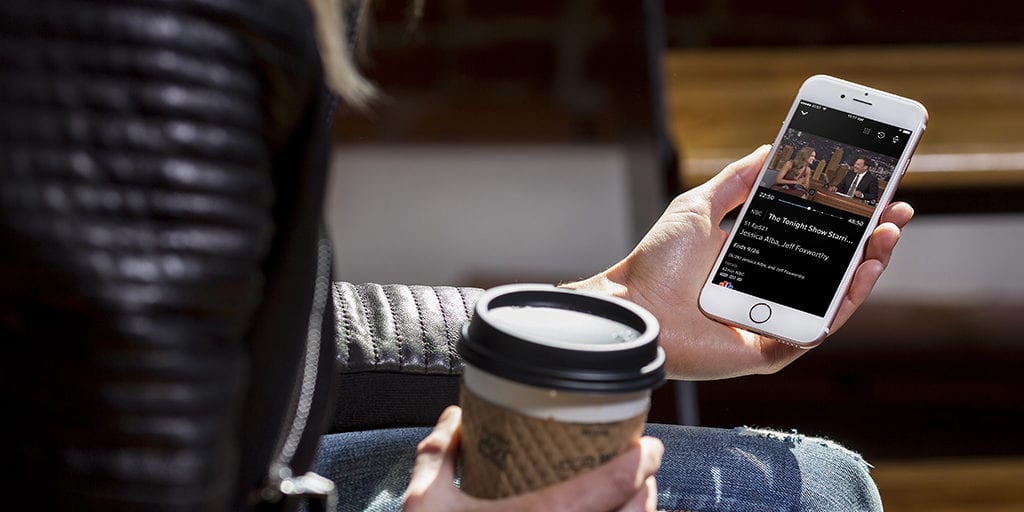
603	282
624	280
613	281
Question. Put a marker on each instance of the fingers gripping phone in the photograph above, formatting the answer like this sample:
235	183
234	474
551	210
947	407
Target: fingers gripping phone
793	250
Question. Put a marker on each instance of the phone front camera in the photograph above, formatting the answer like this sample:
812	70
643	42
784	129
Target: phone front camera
842	95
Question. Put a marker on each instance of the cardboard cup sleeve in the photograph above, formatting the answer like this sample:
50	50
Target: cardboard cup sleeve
505	452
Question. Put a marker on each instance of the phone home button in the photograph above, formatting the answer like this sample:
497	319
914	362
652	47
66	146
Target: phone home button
760	313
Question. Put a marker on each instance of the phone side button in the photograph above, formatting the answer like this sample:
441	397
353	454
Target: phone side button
760	313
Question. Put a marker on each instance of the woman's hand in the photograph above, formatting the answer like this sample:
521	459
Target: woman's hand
667	269
626	483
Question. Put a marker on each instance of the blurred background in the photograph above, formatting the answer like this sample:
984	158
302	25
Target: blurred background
535	141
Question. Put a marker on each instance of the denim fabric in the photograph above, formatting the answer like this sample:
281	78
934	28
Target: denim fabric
704	469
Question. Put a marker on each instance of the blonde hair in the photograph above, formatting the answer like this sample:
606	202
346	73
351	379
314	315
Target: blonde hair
340	70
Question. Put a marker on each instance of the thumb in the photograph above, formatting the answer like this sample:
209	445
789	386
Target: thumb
435	455
728	189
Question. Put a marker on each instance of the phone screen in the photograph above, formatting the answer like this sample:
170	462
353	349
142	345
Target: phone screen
801	231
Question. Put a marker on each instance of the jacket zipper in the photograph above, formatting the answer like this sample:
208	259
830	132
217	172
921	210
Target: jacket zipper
280	482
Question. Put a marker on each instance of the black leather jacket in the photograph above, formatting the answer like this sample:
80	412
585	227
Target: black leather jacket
167	317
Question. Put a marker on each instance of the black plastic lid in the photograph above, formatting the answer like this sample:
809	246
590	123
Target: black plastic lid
556	338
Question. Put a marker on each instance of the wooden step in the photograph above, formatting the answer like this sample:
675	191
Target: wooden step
724	102
946	485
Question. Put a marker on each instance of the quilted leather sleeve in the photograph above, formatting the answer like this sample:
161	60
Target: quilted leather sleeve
396	359
141	161
398	328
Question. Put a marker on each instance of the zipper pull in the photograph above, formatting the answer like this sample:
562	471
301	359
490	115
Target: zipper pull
318	492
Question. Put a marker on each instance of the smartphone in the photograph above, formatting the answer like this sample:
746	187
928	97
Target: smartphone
793	249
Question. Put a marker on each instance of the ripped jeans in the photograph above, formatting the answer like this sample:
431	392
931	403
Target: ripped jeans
703	470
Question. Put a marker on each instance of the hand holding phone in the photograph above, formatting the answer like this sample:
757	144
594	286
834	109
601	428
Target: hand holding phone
791	256
668	268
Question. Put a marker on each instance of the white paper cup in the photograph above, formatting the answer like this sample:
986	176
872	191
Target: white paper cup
557	382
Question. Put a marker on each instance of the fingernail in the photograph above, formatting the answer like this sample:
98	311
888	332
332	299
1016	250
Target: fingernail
652	445
451	414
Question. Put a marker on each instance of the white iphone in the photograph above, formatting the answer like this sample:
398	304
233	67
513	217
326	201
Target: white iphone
792	252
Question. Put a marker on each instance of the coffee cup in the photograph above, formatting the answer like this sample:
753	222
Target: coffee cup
557	382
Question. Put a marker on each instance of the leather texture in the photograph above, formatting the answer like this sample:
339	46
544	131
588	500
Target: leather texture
162	164
396	355
400	328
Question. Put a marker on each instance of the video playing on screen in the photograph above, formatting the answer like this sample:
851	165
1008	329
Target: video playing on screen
824	180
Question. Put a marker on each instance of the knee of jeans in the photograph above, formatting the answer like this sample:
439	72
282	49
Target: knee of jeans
832	475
